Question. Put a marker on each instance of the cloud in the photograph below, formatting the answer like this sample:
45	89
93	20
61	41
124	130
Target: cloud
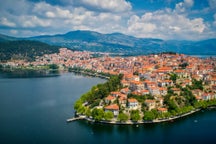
189	3
184	6
108	5
36	17
212	4
166	25
5	22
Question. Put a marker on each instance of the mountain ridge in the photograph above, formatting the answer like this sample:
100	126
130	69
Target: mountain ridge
121	43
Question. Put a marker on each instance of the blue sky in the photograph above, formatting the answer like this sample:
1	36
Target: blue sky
164	19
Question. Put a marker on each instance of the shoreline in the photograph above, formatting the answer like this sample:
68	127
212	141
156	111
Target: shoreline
129	122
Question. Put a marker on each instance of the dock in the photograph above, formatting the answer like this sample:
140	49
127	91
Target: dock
76	118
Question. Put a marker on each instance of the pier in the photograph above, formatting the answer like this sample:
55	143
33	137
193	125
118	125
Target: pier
76	118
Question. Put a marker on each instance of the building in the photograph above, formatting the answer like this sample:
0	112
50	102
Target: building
114	108
132	103
151	104
110	99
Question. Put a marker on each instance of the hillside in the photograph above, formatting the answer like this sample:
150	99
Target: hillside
120	43
24	49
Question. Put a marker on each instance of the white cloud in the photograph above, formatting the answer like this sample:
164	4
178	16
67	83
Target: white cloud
33	21
109	5
4	21
105	16
183	6
165	25
188	3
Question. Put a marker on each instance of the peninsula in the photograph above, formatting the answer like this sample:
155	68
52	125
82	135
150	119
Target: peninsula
139	89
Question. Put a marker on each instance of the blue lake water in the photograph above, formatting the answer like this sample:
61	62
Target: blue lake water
34	111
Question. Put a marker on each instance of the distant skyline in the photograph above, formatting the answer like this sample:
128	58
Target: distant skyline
164	19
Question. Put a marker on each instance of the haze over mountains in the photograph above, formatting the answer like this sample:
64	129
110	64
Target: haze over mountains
124	44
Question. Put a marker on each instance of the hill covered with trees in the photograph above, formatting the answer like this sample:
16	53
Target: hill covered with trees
24	49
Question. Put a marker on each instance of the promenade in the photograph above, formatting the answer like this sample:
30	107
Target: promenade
129	122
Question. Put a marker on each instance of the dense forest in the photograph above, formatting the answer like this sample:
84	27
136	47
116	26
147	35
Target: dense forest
25	49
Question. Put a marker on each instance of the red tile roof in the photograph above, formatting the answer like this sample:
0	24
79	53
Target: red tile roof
112	107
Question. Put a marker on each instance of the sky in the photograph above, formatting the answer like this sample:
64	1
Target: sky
164	19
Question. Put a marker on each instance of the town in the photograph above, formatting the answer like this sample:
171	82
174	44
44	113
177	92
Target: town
152	87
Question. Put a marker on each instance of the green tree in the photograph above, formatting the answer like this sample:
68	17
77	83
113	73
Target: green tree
148	116
122	117
97	114
53	66
108	115
81	110
135	115
88	112
172	105
197	84
173	77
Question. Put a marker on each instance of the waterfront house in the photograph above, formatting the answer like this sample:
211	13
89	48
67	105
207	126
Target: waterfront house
162	110
151	104
122	101
132	103
206	96
114	108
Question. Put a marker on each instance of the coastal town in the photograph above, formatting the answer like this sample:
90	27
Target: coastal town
156	86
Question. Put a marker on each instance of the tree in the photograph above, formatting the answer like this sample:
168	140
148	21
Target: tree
148	116
108	115
122	117
97	114
172	105
197	84
135	115
173	77
53	66
88	112
81	109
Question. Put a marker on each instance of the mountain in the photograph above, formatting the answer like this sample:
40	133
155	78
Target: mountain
120	43
123	44
7	38
24	49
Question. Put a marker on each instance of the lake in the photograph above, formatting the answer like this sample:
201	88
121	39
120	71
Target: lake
34	111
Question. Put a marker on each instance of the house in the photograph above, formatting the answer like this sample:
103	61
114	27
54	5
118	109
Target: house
132	103
198	98
197	92
122	101
206	96
162	110
110	99
165	83
136	85
151	104
163	91
125	91
176	91
154	91
115	93
144	92
114	108
125	83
